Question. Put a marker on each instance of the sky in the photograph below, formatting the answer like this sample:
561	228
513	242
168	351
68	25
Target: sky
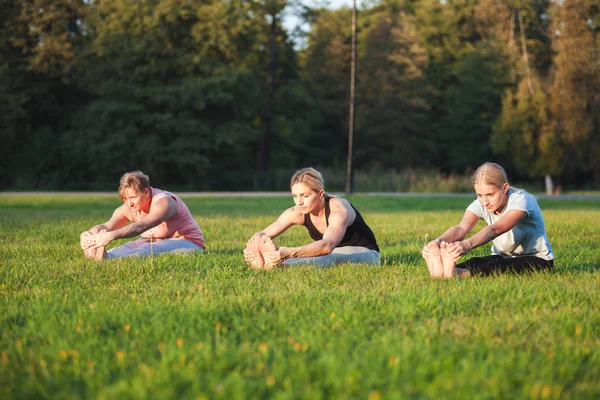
290	21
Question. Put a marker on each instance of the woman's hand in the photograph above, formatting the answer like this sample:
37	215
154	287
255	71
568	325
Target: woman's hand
272	259
86	240
102	238
463	247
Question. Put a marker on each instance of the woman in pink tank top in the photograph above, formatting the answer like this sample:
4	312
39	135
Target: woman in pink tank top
160	218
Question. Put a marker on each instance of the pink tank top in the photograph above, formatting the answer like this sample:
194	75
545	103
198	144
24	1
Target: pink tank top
181	225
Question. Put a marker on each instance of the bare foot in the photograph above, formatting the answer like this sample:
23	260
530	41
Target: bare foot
86	241
431	254
270	253
252	253
450	254
101	254
90	254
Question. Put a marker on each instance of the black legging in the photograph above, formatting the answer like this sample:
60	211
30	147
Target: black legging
494	264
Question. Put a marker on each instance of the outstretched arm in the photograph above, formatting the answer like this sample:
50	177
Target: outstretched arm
458	232
117	220
160	211
453	234
339	220
490	232
289	217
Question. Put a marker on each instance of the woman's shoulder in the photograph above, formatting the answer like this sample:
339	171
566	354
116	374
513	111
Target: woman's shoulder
293	215
159	194
338	203
522	200
521	195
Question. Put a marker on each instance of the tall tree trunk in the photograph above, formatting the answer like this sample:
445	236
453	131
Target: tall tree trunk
265	146
349	169
511	32
525	56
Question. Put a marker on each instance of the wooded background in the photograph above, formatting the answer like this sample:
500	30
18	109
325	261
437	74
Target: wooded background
221	95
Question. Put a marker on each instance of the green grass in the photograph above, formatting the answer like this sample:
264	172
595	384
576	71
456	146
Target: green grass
206	326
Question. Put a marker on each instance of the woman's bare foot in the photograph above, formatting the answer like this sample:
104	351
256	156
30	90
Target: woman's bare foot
101	254
252	253
270	253
450	254
90	254
431	254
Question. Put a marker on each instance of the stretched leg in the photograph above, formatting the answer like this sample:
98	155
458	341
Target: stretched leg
449	254
252	254
340	255
171	246
144	248
127	249
355	255
432	256
494	264
321	261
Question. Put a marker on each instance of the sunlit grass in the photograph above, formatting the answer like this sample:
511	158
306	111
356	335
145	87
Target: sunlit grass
206	326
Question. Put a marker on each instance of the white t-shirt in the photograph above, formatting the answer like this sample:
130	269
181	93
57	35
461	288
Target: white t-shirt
528	237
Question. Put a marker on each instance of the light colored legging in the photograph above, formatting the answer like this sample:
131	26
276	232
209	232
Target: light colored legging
142	248
339	255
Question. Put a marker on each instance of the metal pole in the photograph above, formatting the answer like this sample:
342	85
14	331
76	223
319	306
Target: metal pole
351	113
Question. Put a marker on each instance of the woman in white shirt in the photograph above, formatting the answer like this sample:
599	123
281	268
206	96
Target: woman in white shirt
515	226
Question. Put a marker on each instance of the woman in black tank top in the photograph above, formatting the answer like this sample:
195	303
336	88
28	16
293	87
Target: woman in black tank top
339	231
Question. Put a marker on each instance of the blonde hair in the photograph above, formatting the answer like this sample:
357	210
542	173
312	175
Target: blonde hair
310	177
134	179
490	174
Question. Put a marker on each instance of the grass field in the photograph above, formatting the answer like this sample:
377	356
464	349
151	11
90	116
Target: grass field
205	326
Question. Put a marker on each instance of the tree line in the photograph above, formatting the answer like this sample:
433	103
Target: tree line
219	95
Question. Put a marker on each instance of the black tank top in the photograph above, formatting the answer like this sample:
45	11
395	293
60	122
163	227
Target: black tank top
357	234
